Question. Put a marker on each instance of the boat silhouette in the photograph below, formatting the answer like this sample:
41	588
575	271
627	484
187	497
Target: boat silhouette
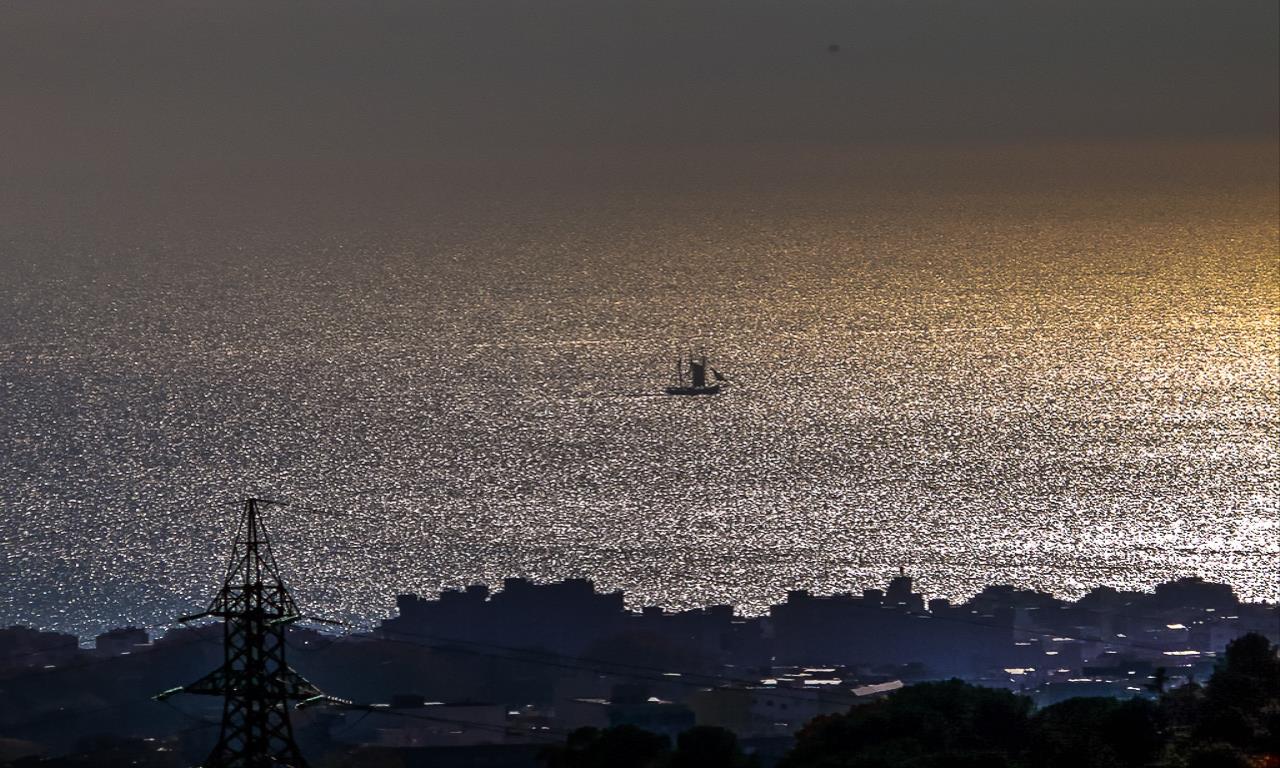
691	377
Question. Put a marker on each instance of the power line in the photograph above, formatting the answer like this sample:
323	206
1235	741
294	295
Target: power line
861	606
94	661
504	729
119	705
641	672
647	674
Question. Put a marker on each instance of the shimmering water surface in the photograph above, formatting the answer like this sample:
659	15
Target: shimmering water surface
1052	382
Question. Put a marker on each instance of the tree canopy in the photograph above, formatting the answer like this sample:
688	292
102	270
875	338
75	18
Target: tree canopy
1231	722
626	746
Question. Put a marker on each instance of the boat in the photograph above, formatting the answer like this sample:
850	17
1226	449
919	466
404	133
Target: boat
695	382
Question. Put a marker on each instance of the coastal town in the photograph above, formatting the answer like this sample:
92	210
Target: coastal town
492	677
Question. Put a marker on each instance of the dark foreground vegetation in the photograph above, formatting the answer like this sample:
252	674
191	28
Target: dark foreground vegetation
1233	721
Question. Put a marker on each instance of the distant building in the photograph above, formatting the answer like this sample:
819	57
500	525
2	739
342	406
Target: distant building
118	641
564	618
1194	592
899	594
889	628
25	647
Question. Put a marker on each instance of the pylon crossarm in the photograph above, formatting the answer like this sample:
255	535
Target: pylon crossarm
319	699
335	702
216	683
297	687
319	620
289	683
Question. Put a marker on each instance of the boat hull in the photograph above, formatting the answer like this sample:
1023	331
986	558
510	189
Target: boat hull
710	389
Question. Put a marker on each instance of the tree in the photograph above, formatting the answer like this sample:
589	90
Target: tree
1096	733
708	747
1218	756
1242	700
624	746
931	724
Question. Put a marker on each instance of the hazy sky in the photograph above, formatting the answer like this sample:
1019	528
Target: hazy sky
234	79
133	109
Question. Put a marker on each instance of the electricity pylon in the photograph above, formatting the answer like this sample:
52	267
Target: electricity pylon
254	681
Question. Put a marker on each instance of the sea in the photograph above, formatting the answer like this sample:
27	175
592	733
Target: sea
1052	366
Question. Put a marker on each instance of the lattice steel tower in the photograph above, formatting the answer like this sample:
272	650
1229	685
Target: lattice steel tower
256	683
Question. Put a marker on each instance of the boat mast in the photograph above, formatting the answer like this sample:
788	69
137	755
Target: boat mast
698	371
